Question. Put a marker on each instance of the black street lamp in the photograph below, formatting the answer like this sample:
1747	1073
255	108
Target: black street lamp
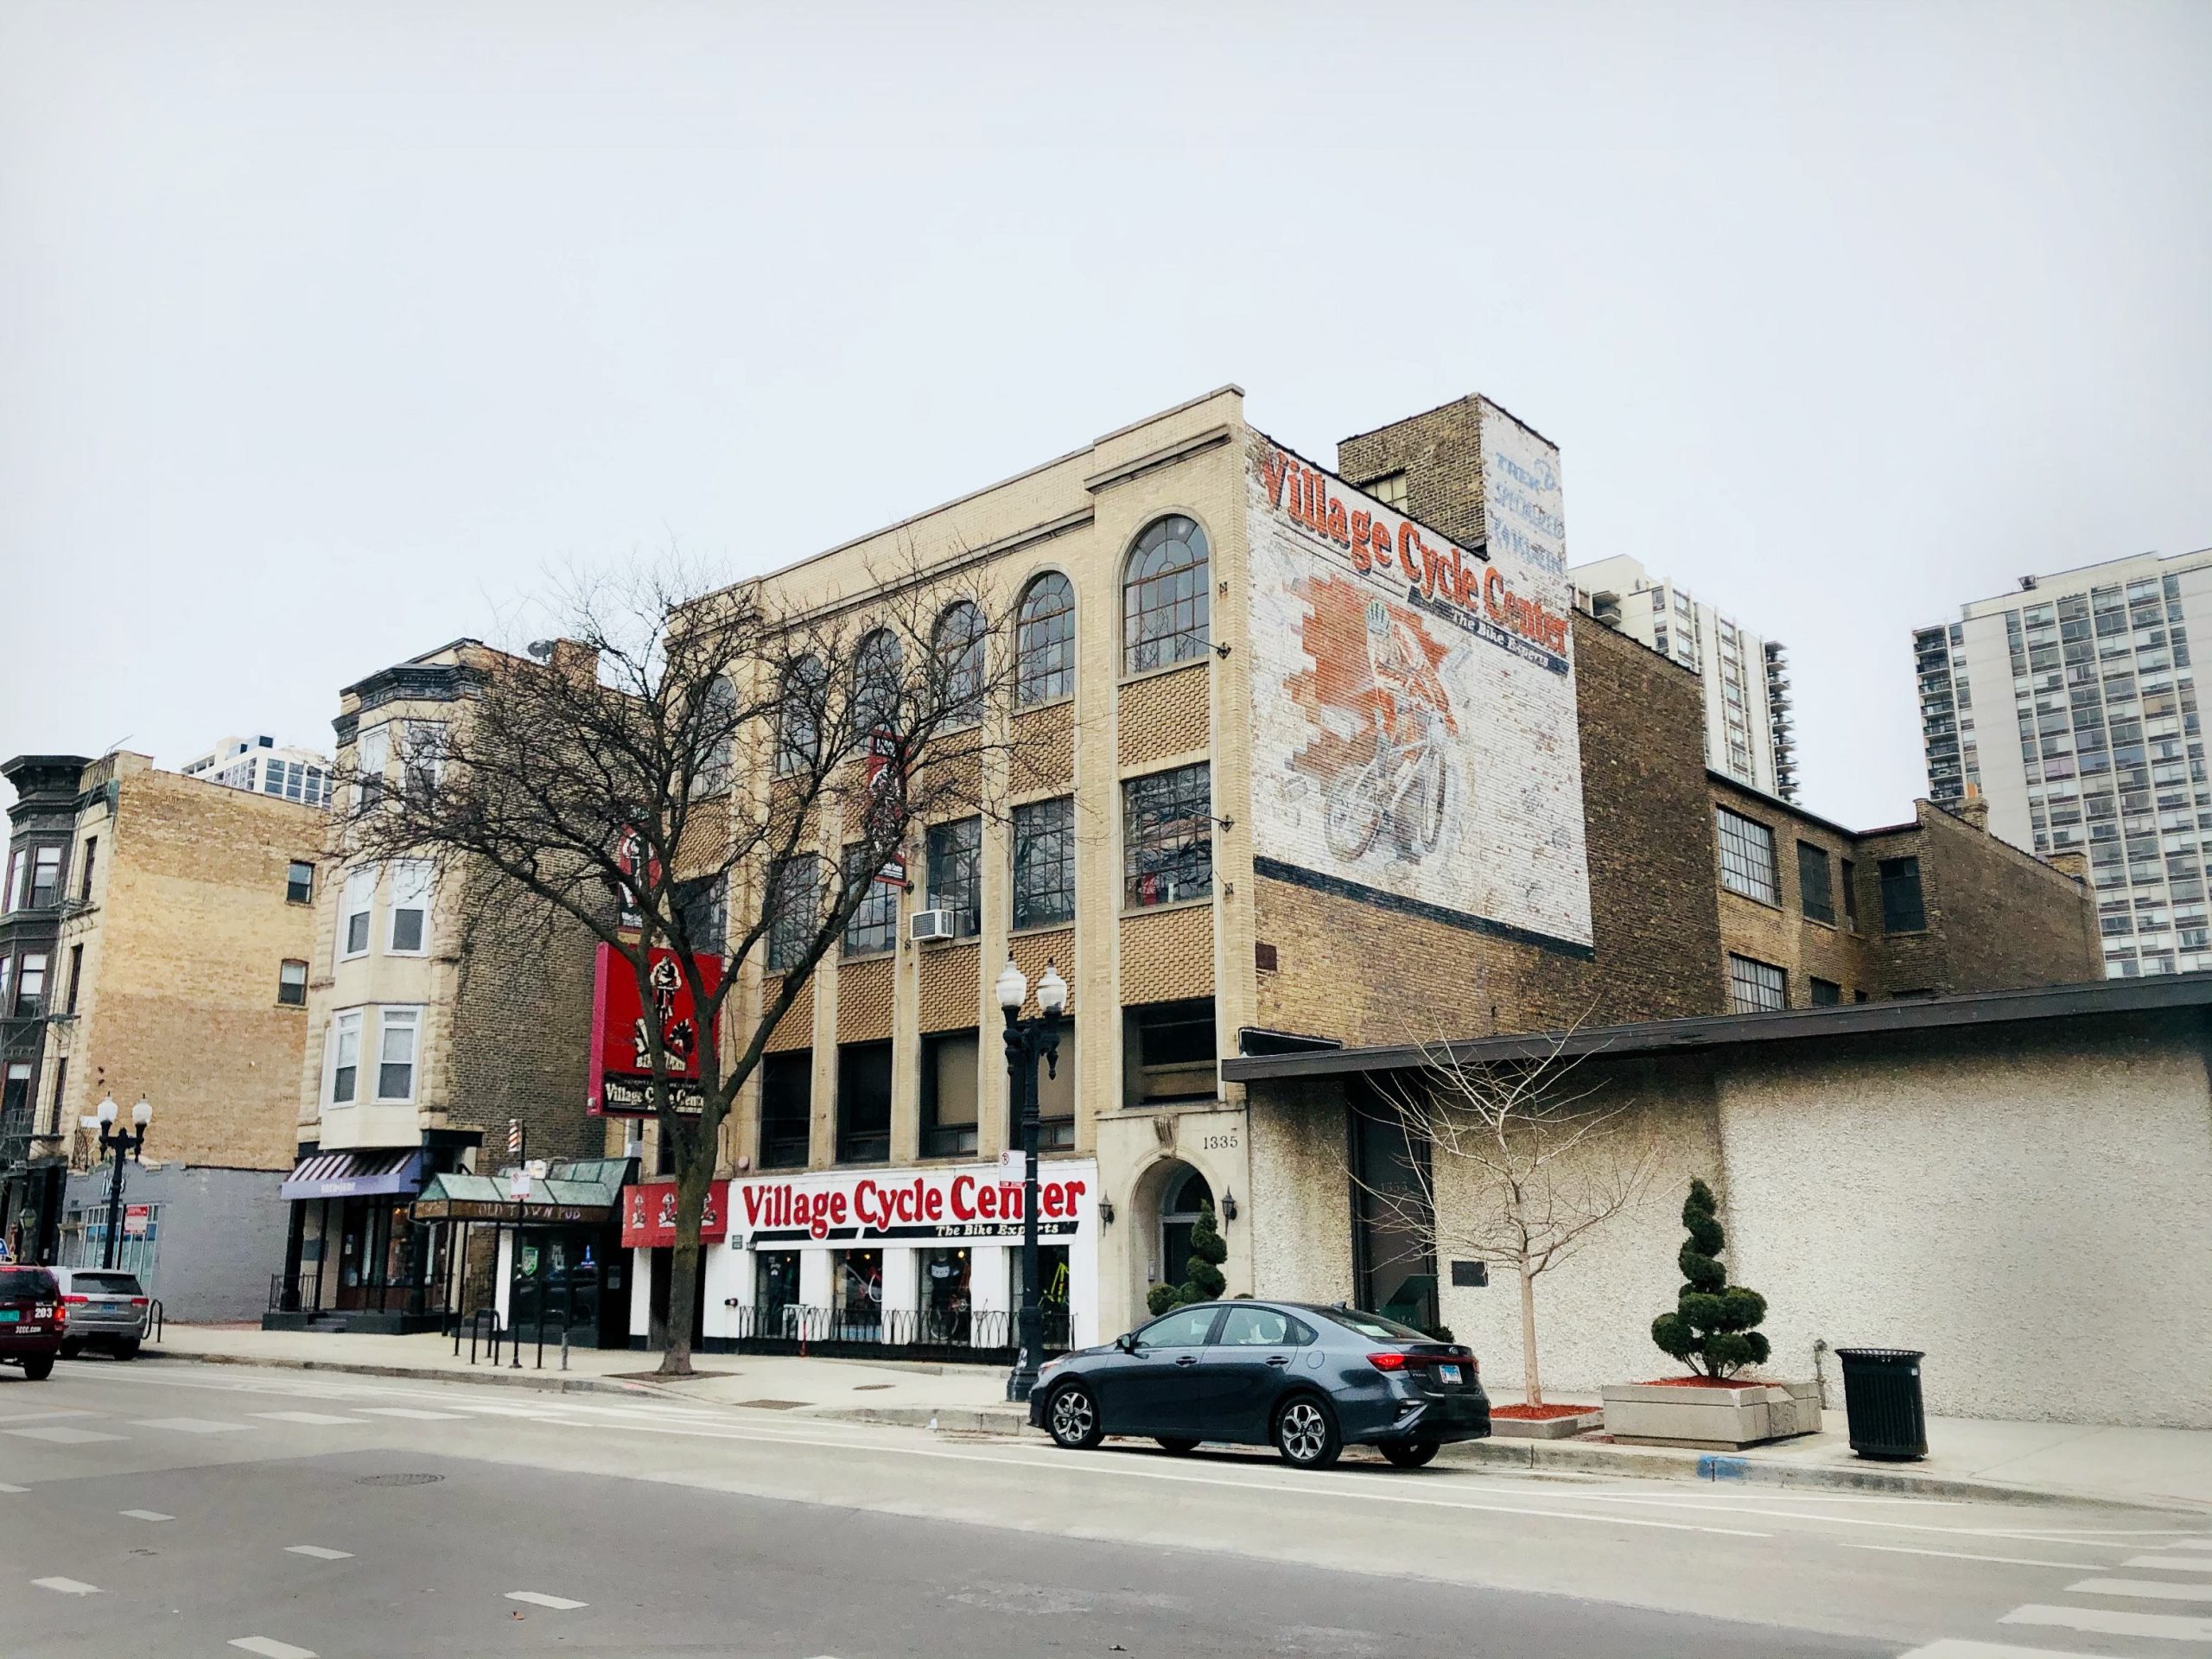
121	1144
1026	1042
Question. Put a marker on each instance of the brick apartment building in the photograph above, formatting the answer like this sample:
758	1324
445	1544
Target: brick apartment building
432	1023
1299	763
157	945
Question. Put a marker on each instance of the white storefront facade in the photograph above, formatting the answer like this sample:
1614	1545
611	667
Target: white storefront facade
906	1258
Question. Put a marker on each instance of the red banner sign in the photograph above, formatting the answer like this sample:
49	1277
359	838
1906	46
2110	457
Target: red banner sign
649	1214
621	1064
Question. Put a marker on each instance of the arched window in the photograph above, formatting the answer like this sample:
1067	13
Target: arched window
878	670
799	735
1180	1203
1164	609
958	643
1044	641
717	737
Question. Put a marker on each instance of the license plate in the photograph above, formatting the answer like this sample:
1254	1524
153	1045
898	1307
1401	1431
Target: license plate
1449	1373
10	1316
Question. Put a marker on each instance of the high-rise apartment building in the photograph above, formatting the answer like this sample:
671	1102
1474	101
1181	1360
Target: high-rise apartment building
258	766
1747	725
2070	706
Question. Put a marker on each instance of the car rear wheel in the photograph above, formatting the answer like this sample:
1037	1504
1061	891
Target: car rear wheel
71	1350
38	1369
1409	1454
1176	1444
1305	1432
127	1349
1071	1418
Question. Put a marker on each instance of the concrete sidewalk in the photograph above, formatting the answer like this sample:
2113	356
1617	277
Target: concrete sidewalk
1976	1458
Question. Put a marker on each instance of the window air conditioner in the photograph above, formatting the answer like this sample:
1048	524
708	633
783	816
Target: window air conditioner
925	924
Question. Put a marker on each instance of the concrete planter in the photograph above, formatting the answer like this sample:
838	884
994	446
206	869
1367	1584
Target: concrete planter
1712	1419
1545	1429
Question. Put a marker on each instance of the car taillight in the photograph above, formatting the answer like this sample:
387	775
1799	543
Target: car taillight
59	1315
138	1301
1387	1362
76	1296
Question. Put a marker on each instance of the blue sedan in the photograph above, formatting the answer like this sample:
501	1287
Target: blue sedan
1308	1381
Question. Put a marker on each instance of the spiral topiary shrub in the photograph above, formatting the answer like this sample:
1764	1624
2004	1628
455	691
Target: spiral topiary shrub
1203	1280
1712	1328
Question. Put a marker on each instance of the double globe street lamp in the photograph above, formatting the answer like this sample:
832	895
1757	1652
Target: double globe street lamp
1028	1041
121	1144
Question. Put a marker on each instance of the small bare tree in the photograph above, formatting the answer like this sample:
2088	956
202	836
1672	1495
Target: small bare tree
1515	1163
697	774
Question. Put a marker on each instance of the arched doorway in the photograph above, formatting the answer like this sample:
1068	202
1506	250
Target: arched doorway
1184	1194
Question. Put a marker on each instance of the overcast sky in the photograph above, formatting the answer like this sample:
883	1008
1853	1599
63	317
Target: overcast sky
325	332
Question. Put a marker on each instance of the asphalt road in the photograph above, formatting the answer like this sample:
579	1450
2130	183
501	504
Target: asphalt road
180	1509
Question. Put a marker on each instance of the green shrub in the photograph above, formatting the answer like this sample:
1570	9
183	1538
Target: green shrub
1711	1330
1202	1276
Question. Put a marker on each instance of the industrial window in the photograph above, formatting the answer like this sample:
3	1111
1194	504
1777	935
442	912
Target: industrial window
1389	489
1168	837
786	1110
702	913
715	764
344	1057
398	1033
957	643
799	724
1826	994
1169	1052
1044	863
1755	987
878	672
873	926
1903	910
1165	601
292	984
409	922
1816	890
1747	856
955	852
795	891
863	1102
299	883
1850	894
950	1059
1044	641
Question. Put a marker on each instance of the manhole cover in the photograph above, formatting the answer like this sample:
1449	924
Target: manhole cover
396	1480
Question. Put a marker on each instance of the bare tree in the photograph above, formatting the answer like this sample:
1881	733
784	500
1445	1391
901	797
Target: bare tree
718	775
1515	1163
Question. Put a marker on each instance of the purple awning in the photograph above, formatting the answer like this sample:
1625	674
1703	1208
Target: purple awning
355	1174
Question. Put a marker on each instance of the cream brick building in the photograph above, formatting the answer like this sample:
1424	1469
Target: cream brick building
1173	859
178	974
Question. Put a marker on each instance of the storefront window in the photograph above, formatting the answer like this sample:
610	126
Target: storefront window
775	1291
1051	1293
946	1296
856	1280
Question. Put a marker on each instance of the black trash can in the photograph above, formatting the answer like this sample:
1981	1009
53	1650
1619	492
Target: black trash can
1881	1398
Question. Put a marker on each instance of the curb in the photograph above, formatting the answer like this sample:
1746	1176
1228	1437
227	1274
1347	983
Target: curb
543	1382
1652	1463
971	1420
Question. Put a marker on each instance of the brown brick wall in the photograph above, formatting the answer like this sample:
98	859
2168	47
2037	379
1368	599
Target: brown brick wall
1440	453
1782	934
948	989
1040	751
795	1029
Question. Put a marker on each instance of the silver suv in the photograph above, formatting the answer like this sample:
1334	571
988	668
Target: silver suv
107	1309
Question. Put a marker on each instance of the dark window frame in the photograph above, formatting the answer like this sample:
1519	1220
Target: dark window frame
1043	640
954	854
872	929
1044	863
949	1140
284	987
863	1140
1748	990
1905	903
1815	883
794	913
298	890
1740	840
786	1137
1167	837
1166	596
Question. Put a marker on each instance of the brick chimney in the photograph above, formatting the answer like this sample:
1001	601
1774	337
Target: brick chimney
1974	809
2075	864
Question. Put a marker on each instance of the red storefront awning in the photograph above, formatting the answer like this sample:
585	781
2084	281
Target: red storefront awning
649	1214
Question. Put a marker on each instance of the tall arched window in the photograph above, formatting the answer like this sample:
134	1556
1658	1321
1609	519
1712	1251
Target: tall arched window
959	644
799	735
878	670
1164	609
1044	641
717	735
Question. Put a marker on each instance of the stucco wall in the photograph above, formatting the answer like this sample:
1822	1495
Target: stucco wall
221	1235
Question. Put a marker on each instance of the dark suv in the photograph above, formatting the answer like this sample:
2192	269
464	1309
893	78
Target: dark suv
1307	1380
32	1319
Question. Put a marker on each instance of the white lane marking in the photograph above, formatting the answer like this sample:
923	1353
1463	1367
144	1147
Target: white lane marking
192	1425
146	1514
1080	1465
2170	1563
62	1436
1952	1648
313	1418
5	1487
2148	1589
269	1648
558	1604
1961	1556
319	1552
68	1586
2171	1627
32	1416
410	1412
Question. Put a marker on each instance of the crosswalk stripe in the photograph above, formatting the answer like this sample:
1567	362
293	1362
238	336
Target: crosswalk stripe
146	1514
62	1436
409	1412
269	1648
2170	1563
191	1425
2170	1627
68	1586
537	1598
313	1418
1951	1648
5	1487
2153	1589
319	1553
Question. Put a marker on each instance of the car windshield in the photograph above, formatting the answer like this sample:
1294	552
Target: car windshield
1376	1328
108	1284
28	1282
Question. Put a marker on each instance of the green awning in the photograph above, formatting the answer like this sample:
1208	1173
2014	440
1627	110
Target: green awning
581	1191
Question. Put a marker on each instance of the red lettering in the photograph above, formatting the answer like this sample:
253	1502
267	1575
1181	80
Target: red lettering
963	1197
933	1204
1272	475
1493	590
1409	549
986	1202
752	1196
837	1208
1048	1198
1338	531
1010	1201
1075	1192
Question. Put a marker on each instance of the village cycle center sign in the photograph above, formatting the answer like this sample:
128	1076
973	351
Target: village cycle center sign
1414	734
